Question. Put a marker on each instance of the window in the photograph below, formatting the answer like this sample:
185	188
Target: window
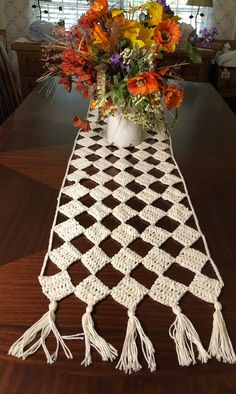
184	11
72	9
181	9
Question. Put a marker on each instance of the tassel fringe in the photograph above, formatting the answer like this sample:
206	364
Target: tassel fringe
44	327
184	335
181	331
107	351
128	361
220	344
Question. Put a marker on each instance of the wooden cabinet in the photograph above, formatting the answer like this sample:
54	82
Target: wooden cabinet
31	65
192	71
29	56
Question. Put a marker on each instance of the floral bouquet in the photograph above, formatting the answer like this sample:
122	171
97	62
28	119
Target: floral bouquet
115	57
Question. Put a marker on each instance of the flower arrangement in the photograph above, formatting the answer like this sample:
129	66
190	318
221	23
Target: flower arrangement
115	58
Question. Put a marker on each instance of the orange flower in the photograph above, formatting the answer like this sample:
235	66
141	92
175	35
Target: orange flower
81	123
107	107
93	103
99	7
83	89
143	84
162	71
173	97
158	76
167	35
100	37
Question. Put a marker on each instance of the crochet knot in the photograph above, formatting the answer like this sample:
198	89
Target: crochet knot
89	309
176	309
218	306
52	306
131	312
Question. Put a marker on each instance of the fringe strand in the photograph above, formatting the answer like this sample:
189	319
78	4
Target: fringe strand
185	336
107	351
44	327
220	344
128	361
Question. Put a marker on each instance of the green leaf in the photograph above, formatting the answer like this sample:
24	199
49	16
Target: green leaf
116	81
160	55
119	93
108	94
193	53
196	56
193	33
123	43
134	68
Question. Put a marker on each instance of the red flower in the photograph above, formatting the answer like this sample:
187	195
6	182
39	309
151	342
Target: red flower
66	81
173	97
143	85
87	21
97	10
83	89
74	65
99	7
158	76
81	123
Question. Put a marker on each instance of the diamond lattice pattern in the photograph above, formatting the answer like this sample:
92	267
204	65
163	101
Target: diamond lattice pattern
137	185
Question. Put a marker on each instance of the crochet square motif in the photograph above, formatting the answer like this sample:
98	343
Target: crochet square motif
158	258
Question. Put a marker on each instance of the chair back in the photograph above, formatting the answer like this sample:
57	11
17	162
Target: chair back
9	96
3	38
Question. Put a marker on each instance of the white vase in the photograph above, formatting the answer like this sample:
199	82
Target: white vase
122	133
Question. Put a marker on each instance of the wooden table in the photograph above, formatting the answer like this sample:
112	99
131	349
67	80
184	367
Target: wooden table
35	145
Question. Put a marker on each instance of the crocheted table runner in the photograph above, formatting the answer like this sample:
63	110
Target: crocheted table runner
145	186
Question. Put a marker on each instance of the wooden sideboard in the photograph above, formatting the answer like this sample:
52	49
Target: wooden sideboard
29	56
31	65
194	72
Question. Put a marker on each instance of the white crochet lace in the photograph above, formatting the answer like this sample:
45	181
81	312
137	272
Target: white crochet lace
155	153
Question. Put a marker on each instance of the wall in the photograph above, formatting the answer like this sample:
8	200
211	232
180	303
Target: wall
224	16
2	16
16	16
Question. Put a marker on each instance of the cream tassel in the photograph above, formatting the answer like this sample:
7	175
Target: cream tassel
107	351
184	335
129	357
220	343
45	326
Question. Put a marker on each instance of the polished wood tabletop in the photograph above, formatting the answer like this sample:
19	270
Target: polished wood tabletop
35	145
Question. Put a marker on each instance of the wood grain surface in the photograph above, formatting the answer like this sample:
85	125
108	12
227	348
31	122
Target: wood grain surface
35	144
